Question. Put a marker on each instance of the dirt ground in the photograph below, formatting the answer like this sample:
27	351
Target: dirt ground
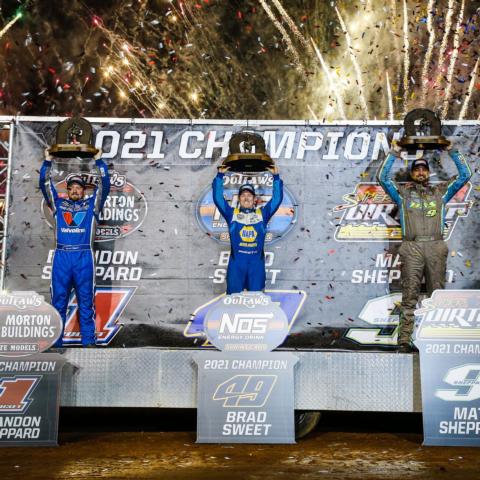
348	452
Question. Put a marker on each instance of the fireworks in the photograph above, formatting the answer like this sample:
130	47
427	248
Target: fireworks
453	59
10	24
262	59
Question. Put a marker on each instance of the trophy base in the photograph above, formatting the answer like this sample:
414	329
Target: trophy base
436	142
67	150
248	163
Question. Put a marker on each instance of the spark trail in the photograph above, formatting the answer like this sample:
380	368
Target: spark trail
473	76
453	59
10	24
292	26
428	55
333	87
406	57
443	45
389	95
290	47
356	66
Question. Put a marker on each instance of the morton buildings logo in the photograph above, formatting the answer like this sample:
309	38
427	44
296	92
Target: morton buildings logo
212	222
124	211
369	214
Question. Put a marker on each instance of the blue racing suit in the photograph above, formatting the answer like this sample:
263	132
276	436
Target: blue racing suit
73	261
247	229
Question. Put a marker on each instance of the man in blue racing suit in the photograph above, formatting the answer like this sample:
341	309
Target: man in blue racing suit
422	217
247	227
73	262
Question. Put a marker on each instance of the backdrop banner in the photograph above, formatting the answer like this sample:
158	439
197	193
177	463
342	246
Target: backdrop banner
162	247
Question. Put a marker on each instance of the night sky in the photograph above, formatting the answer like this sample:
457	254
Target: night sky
240	59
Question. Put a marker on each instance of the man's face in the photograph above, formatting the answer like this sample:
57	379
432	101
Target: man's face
420	174
75	192
247	199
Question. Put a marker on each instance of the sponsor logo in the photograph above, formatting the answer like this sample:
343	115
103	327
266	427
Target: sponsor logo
248	323
212	222
290	301
450	315
21	300
74	219
124	211
382	316
109	305
369	214
248	234
466	382
72	230
15	393
245	391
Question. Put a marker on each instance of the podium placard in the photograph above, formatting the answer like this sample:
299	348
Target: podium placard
245	392
448	339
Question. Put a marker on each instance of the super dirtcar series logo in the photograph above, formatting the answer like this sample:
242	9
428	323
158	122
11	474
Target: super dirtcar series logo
124	211
212	222
450	315
370	215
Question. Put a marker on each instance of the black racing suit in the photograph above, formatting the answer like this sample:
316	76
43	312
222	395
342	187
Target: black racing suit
422	216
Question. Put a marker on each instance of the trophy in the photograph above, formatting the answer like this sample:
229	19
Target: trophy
427	135
74	139
247	154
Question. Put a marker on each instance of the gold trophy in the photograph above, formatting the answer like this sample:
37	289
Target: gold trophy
423	131
74	138
247	154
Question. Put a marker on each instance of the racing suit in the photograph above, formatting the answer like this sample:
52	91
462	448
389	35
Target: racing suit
247	228
422	217
73	261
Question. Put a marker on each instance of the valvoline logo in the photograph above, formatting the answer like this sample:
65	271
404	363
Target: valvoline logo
74	220
109	305
290	301
212	222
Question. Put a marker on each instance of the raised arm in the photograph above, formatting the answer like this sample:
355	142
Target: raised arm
103	188
464	174
45	182
385	179
225	209
277	196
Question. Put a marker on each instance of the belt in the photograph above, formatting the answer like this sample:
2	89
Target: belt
74	248
423	238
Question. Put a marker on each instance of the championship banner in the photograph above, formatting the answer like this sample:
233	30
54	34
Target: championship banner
162	247
448	338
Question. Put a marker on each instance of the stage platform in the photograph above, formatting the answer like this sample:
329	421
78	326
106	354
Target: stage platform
164	378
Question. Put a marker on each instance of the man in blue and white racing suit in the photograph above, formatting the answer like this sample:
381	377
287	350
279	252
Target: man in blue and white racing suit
247	226
73	262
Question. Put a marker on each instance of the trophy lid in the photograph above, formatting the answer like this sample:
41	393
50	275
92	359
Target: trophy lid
74	137
247	153
429	123
74	131
247	145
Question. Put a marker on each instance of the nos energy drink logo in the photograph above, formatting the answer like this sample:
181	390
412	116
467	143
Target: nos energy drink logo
124	211
212	222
